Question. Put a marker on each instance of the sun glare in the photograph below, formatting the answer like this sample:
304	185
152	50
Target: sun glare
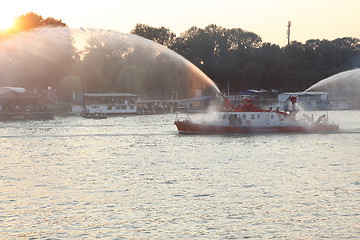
6	23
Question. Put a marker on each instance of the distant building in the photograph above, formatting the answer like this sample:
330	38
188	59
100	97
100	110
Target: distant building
199	104
251	94
77	105
16	103
255	95
306	100
155	103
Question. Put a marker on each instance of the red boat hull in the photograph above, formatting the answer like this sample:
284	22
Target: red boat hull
189	127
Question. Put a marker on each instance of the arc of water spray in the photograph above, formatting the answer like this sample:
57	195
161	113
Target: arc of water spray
191	65
38	60
159	48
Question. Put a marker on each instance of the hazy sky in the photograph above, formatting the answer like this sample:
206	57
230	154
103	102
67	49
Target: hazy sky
311	19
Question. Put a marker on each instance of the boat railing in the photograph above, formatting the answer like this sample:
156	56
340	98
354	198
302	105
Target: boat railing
323	119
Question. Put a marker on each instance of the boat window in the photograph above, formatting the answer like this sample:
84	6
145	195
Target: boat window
220	117
109	107
252	116
244	116
123	107
131	106
224	117
258	115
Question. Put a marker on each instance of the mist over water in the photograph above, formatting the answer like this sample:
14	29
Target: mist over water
34	55
344	85
97	60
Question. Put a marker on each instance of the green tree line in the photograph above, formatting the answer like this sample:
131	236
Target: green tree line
230	57
241	60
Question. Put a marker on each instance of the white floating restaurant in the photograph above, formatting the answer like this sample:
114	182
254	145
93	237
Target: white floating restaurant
107	103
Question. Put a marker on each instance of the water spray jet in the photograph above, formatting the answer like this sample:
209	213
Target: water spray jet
97	60
344	86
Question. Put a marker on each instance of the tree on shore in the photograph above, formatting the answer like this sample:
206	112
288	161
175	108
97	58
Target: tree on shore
240	59
160	35
32	20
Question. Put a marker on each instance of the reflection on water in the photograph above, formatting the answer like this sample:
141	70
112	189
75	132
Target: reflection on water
134	177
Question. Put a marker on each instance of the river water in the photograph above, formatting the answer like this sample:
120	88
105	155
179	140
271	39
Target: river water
135	177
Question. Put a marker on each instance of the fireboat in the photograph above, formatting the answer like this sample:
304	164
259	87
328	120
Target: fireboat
249	118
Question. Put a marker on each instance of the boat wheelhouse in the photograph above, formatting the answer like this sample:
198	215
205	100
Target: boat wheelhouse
109	103
248	118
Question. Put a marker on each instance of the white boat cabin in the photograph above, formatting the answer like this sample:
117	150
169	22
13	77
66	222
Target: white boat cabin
250	119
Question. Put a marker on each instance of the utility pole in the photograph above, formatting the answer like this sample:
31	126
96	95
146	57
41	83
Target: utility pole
288	32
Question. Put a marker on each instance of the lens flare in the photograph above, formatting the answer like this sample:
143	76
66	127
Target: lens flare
6	23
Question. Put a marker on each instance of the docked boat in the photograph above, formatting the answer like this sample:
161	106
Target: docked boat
95	115
109	103
16	103
248	118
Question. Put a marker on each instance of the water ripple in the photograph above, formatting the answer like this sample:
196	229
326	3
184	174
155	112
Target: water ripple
118	179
